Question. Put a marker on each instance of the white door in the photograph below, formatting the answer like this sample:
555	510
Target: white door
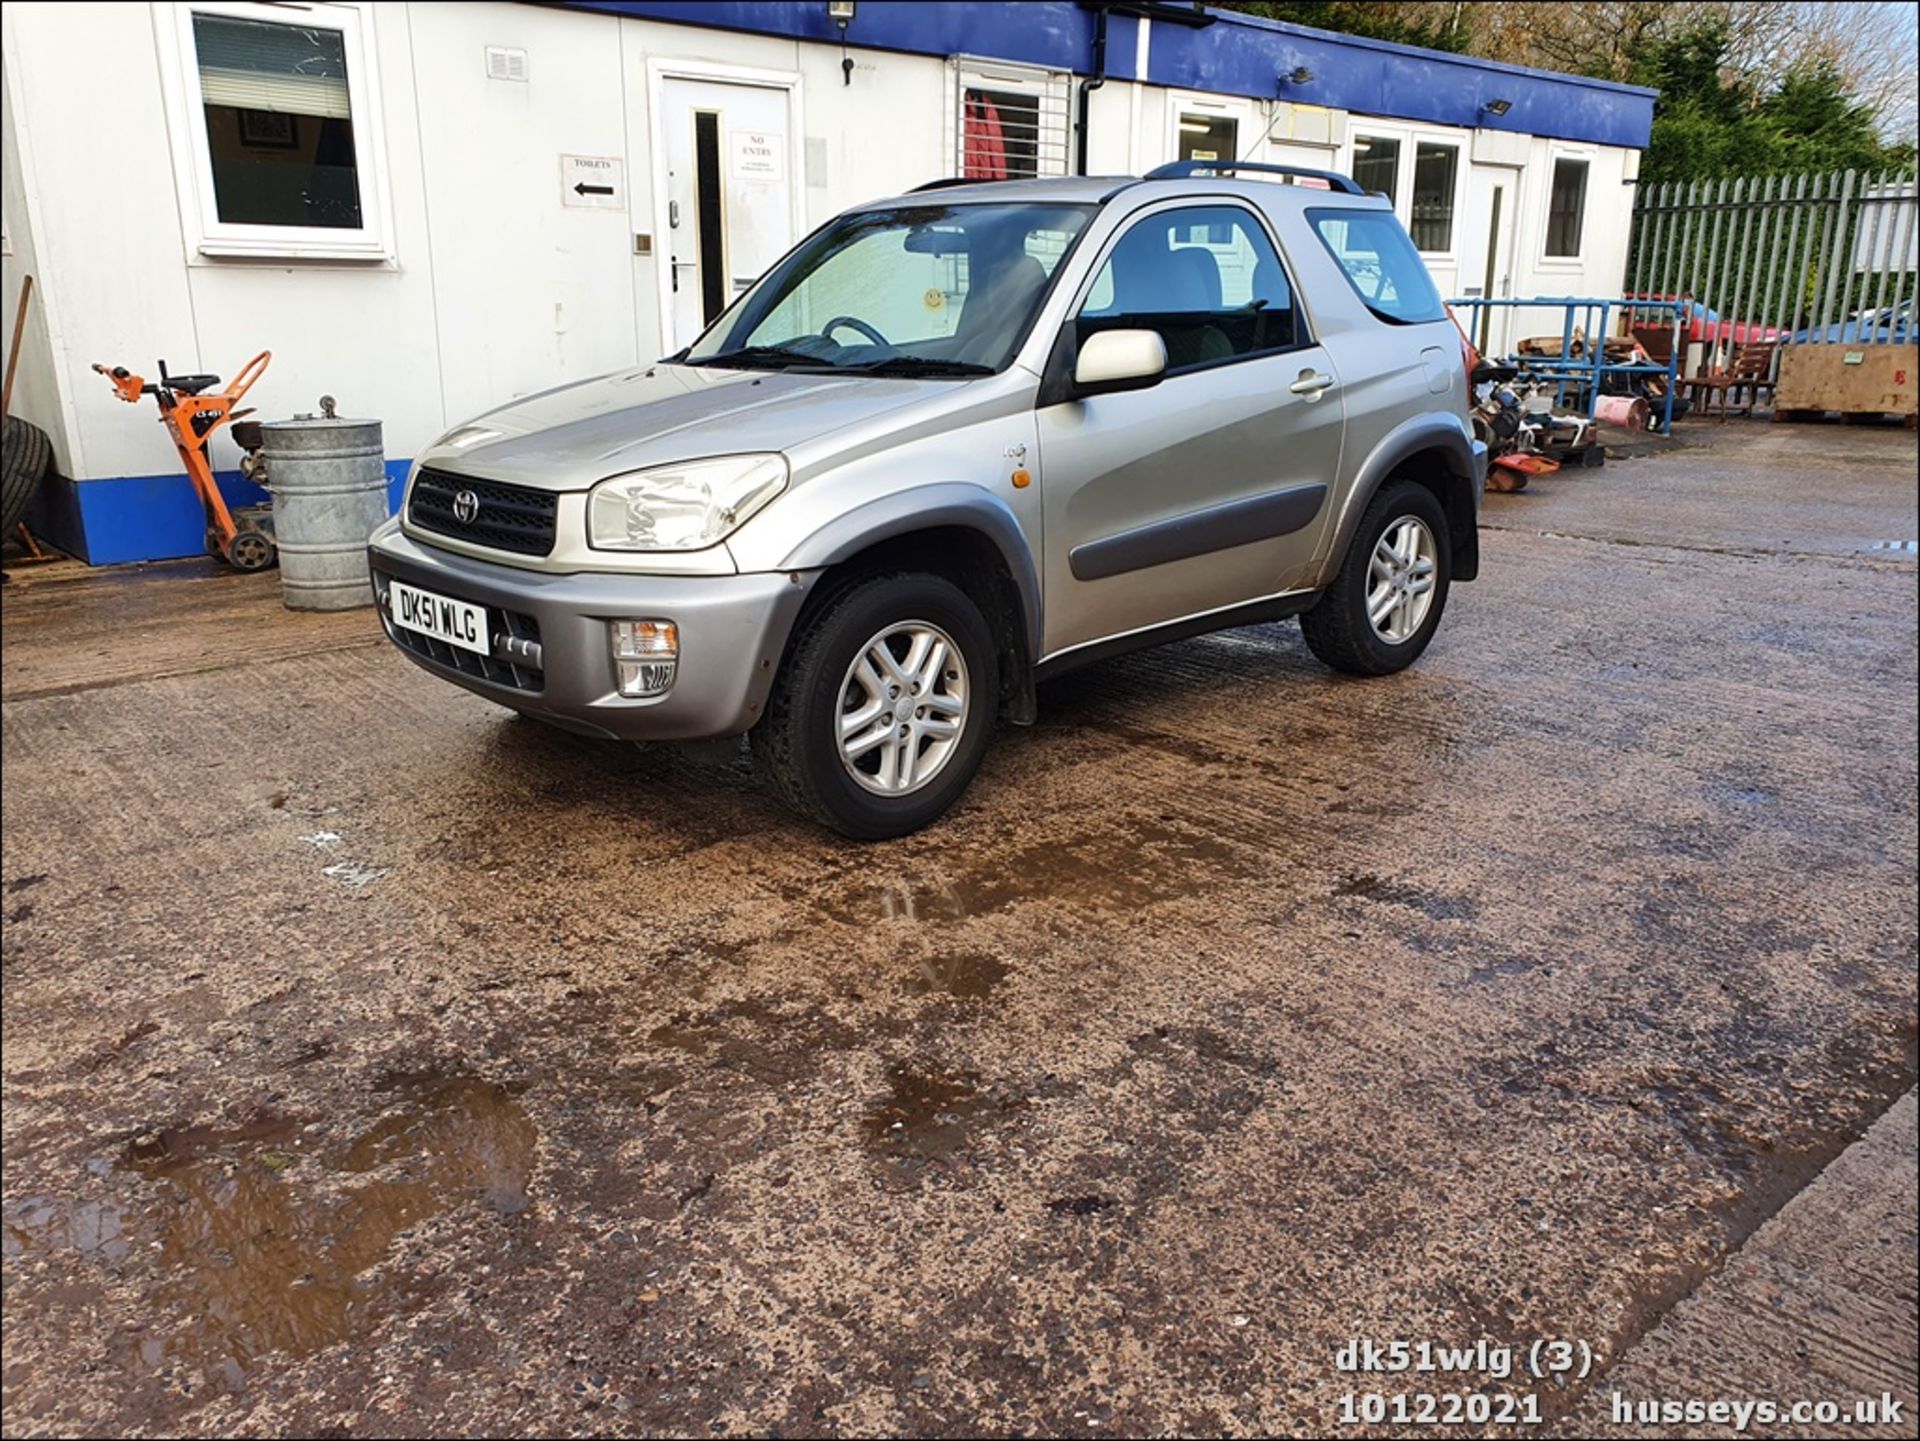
729	195
1486	259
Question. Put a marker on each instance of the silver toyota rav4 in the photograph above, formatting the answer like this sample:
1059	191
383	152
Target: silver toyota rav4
957	442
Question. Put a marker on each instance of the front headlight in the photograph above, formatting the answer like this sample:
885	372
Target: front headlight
682	507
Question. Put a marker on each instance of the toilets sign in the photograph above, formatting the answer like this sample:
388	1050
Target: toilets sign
591	182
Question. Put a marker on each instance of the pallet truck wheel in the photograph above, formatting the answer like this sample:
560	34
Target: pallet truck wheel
250	551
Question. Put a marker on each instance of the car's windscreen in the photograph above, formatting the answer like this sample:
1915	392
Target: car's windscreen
1381	263
922	290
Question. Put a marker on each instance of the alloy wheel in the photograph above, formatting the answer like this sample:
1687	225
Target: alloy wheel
903	708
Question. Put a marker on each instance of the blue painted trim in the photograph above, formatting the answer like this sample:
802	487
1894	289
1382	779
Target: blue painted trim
1236	55
153	517
1054	33
1372	77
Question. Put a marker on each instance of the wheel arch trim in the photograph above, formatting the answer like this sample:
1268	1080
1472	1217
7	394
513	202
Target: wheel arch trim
1466	463
943	504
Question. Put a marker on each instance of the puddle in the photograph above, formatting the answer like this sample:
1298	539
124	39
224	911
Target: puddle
270	1240
1732	793
710	1040
37	1225
1141	866
355	875
1397	893
969	977
924	1117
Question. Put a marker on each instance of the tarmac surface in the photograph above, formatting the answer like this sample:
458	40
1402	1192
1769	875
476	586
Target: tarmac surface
377	1063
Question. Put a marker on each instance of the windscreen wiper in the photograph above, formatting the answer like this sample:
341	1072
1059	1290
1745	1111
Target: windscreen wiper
760	356
918	365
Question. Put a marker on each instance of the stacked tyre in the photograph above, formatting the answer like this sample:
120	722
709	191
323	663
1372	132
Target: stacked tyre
24	456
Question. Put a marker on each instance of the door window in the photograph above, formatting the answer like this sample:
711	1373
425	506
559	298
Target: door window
1434	169
1208	137
1376	165
709	214
1566	207
1206	278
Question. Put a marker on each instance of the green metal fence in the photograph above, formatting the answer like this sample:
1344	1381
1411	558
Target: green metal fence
1797	258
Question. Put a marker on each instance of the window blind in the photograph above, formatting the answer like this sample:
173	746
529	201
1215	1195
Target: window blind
257	65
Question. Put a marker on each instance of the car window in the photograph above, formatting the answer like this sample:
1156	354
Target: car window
956	284
1206	277
1380	263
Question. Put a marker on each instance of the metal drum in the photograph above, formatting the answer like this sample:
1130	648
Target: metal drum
329	482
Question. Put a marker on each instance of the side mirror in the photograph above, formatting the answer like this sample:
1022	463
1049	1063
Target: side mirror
1113	360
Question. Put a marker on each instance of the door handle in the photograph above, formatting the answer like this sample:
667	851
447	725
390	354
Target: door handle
1310	384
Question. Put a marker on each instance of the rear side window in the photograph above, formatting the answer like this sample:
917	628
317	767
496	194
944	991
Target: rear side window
1381	264
1205	277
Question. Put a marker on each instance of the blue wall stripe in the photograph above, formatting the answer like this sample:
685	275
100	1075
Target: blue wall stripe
150	517
1372	77
1054	33
1236	55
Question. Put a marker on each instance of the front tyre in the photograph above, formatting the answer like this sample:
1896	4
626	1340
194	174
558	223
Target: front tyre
1383	606
882	712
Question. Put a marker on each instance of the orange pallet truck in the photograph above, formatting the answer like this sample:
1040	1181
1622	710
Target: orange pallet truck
243	538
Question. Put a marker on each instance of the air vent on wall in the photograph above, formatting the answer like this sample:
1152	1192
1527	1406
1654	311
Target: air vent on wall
504	64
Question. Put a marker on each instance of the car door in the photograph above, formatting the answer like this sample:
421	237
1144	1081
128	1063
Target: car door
1209	488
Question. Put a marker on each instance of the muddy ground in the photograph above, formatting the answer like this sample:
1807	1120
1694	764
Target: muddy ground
377	1063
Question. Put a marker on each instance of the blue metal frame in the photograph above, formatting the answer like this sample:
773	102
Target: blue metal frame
1564	370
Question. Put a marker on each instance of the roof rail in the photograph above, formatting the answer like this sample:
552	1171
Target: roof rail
1180	169
943	183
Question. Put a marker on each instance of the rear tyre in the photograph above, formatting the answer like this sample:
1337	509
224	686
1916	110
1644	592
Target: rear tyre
883	710
1383	606
24	453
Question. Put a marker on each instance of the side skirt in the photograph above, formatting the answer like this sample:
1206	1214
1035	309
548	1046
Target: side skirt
1256	612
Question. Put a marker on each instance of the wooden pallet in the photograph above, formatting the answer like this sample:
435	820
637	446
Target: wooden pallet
1850	417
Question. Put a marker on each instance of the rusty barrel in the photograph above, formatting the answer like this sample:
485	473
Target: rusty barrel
328	476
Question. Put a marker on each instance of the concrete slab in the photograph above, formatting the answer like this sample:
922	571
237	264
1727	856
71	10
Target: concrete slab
1816	1308
378	1063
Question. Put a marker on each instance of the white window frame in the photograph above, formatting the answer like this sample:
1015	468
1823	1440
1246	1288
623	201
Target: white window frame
1410	139
1555	154
1462	157
209	238
1051	90
1403	165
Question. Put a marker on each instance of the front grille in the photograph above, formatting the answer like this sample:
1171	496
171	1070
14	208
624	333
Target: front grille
487	667
509	517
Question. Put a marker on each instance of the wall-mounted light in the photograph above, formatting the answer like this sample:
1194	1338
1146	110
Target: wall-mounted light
840	12
1299	75
1497	107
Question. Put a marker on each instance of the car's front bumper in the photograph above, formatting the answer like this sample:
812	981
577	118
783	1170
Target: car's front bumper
552	654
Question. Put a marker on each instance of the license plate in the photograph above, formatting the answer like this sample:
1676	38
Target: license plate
457	622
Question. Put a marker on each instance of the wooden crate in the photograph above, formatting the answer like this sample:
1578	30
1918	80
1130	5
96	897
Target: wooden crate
1817	378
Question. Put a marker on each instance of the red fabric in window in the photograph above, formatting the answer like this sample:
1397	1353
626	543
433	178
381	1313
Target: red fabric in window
984	147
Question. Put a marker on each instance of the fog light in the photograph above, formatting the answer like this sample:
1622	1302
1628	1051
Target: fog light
646	654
